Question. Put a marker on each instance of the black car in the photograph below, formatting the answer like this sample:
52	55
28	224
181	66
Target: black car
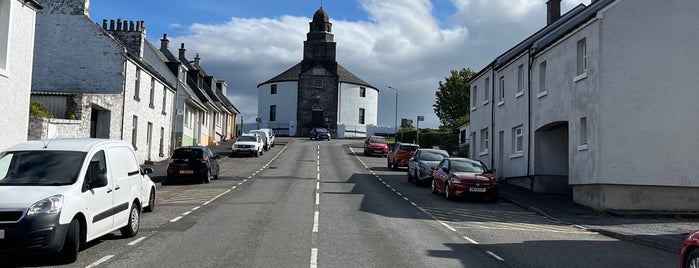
319	133
196	163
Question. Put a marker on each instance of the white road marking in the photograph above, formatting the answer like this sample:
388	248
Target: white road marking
314	258
186	213
415	205
495	256
315	221
137	241
406	199
195	208
98	262
470	240
317	199
317	185
176	219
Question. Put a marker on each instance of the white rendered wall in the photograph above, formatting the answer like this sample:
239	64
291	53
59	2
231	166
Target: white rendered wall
481	116
15	80
285	99
350	102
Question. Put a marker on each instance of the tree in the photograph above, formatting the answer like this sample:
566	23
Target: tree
453	98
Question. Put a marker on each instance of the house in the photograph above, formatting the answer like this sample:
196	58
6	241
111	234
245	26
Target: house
318	92
103	81
464	139
17	29
599	104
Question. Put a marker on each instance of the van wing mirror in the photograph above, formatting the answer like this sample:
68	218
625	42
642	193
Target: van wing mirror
146	171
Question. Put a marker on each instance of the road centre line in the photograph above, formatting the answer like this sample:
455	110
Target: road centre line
470	240
314	258
176	219
98	262
316	215
137	241
186	213
494	255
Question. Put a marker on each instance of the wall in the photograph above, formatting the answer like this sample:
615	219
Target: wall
15	80
285	99
52	128
350	102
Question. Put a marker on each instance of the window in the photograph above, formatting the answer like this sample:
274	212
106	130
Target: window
272	113
542	77
472	144
164	101
486	92
318	83
362	92
149	135
219	118
501	96
273	89
161	148
583	131
187	116
204	119
474	97
517	140
137	86
151	102
484	141
582	57
97	166
134	132
520	80
361	115
4	34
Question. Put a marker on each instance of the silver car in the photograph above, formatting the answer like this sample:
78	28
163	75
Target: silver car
421	163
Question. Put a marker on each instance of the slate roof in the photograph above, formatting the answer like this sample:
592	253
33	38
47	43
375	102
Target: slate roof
292	74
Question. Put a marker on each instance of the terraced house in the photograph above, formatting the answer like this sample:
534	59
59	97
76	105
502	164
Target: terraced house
600	103
17	26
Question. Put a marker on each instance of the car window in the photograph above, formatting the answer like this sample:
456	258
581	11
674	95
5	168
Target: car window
40	167
96	167
467	166
409	148
377	140
188	153
432	155
247	138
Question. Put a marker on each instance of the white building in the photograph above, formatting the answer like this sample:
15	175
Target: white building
600	103
107	78
318	92
17	26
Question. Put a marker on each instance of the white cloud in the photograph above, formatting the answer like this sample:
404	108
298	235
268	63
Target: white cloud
400	44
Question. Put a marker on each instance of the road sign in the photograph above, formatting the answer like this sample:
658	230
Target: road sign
258	120
420	118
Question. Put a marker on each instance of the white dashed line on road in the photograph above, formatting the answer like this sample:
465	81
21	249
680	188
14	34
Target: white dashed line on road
136	241
100	261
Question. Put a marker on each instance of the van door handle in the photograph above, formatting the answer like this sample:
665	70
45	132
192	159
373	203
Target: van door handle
109	190
117	188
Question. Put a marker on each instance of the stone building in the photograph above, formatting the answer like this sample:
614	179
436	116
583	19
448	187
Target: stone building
317	92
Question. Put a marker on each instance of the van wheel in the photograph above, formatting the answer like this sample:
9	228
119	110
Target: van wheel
131	228
69	252
151	202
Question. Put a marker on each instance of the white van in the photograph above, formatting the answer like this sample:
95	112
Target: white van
56	195
271	134
266	135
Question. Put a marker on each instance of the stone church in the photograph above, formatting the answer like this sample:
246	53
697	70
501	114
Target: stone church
318	92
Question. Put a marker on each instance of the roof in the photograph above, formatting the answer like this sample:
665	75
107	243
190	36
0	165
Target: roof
78	145
292	74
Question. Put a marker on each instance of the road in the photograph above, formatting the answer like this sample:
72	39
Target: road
323	204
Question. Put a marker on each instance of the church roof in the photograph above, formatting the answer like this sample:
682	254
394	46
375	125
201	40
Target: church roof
292	74
321	15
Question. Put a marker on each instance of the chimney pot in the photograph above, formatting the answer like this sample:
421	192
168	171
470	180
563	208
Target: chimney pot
111	25
118	25
553	11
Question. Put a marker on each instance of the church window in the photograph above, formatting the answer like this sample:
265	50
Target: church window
361	115
318	83
274	89
362	92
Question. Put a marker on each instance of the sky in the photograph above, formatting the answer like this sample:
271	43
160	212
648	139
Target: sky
408	45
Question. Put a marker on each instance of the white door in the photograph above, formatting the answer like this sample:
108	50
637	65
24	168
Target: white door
99	199
127	180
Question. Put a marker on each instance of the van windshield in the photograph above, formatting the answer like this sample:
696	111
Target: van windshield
42	168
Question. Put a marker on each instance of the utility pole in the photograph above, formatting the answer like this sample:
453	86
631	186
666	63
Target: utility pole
395	122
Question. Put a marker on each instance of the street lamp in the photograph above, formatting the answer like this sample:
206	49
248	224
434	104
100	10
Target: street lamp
395	122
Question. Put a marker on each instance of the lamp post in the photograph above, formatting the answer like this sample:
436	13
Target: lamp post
395	122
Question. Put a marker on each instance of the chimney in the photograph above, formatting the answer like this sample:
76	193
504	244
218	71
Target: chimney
164	42
553	11
197	60
182	52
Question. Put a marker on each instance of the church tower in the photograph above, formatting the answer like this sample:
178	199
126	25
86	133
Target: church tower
317	103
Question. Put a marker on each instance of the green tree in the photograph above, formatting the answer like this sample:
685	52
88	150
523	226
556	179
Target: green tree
453	98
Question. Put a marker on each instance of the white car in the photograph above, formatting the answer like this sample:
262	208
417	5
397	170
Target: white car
271	135
56	195
266	137
249	143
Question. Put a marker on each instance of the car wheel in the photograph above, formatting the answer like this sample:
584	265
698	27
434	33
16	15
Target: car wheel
395	165
410	178
388	163
216	176
446	192
366	153
692	260
257	153
69	252
151	201
416	177
131	228
434	187
207	177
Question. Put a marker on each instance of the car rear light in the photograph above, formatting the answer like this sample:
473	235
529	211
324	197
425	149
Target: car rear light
204	160
170	160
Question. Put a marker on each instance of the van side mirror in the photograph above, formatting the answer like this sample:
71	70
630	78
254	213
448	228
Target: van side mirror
100	182
146	171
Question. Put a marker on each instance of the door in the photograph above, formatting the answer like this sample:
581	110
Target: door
99	200
126	174
317	119
501	153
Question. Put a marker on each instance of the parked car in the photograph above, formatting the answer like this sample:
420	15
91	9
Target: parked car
421	165
689	255
266	137
375	145
192	163
320	133
248	143
56	195
271	135
464	177
400	153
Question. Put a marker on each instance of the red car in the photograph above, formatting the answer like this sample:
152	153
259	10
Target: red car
464	177
400	154
375	145
689	256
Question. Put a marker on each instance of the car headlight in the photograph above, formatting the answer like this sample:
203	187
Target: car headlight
49	205
454	180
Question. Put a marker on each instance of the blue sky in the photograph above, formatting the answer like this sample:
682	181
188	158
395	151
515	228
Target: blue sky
409	45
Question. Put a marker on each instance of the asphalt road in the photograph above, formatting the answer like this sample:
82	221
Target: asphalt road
323	204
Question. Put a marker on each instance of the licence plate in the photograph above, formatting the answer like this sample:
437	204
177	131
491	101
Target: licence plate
2	234
479	190
186	171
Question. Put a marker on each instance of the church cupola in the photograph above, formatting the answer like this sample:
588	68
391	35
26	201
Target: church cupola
319	47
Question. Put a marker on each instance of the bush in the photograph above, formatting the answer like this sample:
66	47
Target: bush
38	109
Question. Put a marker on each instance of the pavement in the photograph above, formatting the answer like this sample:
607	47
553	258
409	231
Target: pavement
664	231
